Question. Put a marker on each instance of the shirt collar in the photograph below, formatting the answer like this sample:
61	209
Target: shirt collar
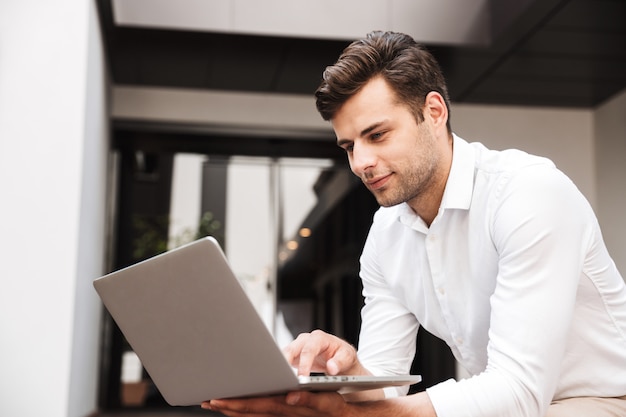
460	184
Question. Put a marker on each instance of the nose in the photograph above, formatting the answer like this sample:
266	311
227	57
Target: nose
362	158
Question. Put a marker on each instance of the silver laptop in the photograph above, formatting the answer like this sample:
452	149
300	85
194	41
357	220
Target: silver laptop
199	337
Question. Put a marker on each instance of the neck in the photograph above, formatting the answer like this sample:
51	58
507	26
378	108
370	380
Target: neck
426	204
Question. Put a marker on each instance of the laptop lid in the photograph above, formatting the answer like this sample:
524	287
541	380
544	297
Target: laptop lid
197	334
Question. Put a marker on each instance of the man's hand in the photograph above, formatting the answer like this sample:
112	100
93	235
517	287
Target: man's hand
294	404
310	352
321	352
307	404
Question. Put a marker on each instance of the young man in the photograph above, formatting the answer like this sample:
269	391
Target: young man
496	253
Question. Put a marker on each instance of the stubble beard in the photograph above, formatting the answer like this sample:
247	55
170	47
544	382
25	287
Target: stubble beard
413	182
411	186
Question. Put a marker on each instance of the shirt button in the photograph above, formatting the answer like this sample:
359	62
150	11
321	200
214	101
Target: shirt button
441	291
459	340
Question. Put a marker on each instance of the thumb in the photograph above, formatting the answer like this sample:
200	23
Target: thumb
344	361
332	367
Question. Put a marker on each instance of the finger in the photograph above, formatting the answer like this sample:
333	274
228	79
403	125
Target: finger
315	351
292	351
332	404
308	352
321	352
332	355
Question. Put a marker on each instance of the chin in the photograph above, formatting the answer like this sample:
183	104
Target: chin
385	202
390	204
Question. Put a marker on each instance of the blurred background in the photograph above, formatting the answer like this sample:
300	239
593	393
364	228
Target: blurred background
128	127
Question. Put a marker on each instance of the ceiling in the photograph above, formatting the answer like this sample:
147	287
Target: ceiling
566	53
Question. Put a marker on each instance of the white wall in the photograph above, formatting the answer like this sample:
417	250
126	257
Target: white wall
563	135
610	147
52	173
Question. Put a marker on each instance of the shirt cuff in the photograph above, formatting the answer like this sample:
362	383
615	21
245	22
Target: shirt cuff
443	402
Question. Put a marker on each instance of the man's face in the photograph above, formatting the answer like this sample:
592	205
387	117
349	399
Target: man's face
397	159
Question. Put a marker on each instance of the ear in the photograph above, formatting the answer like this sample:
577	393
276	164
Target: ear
435	109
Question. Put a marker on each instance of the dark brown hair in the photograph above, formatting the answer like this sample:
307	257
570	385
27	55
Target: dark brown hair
409	69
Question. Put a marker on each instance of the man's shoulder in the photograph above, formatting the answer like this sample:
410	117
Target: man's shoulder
507	160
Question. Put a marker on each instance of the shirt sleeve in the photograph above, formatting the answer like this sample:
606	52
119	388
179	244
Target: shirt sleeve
541	226
388	331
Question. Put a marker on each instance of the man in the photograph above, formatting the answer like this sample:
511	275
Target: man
496	253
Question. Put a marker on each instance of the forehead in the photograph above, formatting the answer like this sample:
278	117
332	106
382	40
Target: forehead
375	102
375	92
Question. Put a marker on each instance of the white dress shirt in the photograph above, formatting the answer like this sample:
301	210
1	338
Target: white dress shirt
512	274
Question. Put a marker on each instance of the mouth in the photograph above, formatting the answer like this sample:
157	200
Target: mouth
377	183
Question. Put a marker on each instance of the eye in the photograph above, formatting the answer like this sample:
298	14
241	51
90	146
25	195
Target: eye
376	135
346	146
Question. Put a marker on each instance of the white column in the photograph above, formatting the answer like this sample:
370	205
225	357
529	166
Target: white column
52	188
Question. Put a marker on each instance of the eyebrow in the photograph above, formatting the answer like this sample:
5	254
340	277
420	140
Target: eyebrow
342	142
364	132
372	127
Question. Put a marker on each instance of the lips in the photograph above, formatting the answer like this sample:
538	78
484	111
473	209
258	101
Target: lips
377	183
